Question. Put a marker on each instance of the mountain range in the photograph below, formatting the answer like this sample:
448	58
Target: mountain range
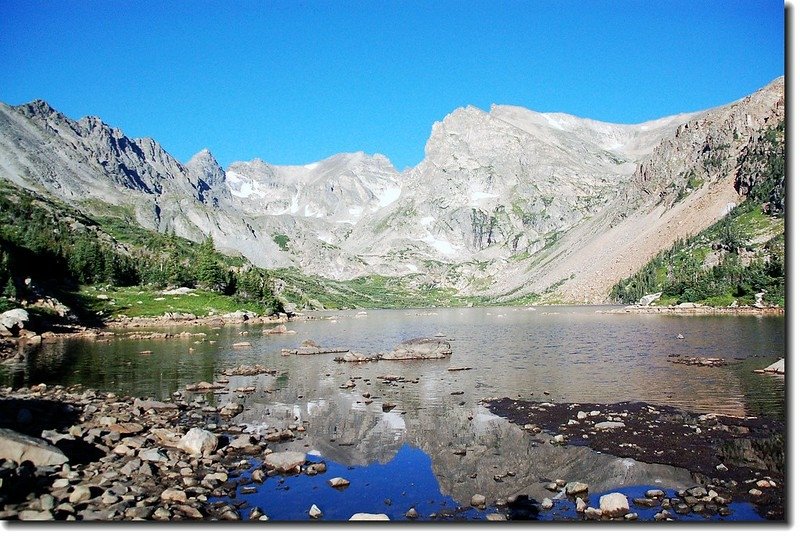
507	203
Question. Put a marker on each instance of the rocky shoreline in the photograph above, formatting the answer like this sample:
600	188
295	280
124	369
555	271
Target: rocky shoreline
694	309
78	454
739	459
18	336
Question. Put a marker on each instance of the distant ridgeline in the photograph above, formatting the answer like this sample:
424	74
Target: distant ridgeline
60	249
737	257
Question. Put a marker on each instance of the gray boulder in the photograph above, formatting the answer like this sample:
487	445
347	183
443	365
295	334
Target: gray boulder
420	348
14	320
19	447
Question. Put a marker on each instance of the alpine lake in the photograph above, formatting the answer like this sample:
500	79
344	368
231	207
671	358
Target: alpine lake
420	433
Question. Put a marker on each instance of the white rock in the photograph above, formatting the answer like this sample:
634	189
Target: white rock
314	512
338	482
368	517
614	505
198	442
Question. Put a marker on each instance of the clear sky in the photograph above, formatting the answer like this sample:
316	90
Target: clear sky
293	82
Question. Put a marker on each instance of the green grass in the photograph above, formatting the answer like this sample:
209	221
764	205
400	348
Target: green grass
143	302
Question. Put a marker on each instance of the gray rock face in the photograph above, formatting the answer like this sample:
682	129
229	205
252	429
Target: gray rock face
420	348
19	447
198	442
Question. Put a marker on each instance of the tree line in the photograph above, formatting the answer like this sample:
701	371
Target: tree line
63	248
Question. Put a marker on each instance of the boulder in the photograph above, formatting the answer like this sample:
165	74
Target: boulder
285	462
614	505
369	517
650	298
420	348
338	482
14	320
198	442
19	447
314	512
277	330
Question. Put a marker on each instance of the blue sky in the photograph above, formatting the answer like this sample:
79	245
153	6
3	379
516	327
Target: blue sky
295	82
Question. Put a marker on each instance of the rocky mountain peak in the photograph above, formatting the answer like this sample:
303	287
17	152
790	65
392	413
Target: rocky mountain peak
36	108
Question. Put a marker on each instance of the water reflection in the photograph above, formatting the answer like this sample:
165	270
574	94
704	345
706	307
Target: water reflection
572	353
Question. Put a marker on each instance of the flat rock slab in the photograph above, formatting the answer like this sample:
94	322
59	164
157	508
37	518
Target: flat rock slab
285	462
19	447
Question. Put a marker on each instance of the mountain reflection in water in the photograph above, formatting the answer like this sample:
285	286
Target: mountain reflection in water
573	354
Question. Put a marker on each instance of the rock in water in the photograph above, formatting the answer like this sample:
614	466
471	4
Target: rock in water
614	505
198	442
19	447
314	512
338	482
420	348
576	488
369	517
285	462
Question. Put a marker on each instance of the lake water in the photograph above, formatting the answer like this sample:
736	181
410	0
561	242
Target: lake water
574	354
